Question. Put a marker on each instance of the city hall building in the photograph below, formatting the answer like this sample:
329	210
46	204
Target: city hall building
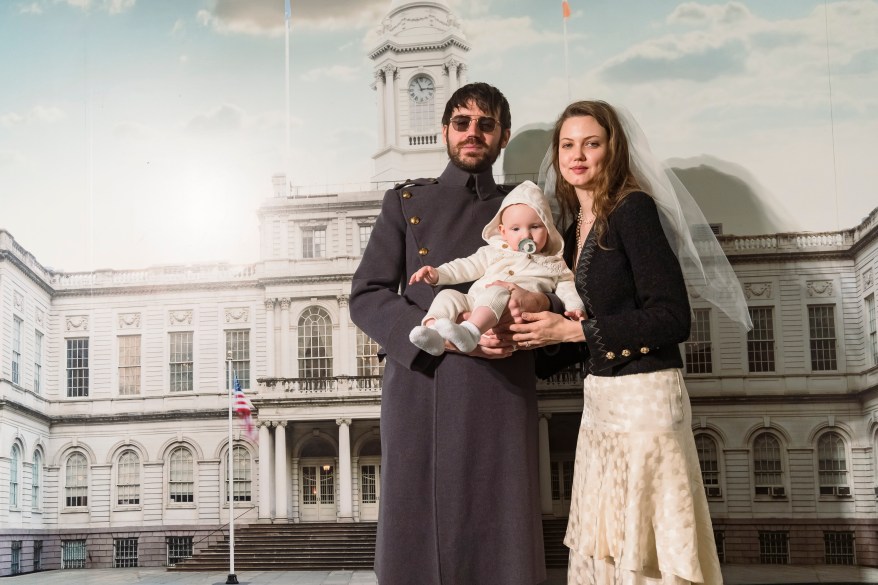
114	444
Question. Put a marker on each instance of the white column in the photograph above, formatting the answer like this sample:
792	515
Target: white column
390	104
345	511
380	86
285	371
280	470
269	339
545	466
461	75
453	81
264	471
342	366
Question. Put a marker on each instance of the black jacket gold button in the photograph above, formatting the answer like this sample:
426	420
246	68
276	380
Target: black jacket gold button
625	353
611	355
414	220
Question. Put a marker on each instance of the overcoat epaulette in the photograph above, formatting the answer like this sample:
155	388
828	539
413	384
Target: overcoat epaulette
415	183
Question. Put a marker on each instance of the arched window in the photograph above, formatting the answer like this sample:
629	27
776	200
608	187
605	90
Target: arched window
128	479
242	473
315	344
367	360
14	464
181	477
768	466
832	465
36	479
708	459
76	481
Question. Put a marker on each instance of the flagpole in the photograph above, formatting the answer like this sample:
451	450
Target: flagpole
232	579
565	7
287	146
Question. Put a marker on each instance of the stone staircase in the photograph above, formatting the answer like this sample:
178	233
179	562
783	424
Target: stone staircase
323	546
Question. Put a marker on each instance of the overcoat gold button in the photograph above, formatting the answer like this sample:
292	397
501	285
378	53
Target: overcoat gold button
406	194
414	220
423	251
644	350
611	355
625	353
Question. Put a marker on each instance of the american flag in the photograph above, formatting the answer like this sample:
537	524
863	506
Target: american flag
243	408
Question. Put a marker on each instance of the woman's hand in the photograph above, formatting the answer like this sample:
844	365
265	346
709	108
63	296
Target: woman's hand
490	347
543	328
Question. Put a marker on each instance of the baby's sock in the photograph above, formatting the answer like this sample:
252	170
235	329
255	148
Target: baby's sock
428	339
465	336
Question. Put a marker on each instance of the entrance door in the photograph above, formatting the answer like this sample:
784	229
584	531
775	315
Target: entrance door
370	489
562	485
318	493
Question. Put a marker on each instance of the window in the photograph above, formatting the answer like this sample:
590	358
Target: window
179	548
314	242
562	480
181	361
719	538
129	365
327	485
15	565
128	479
368	484
839	548
36	477
365	232
16	350
699	358
242	475
760	340
38	555
821	326
77	367
774	548
315	344
708	460
832	465
367	357
14	472
873	328
76	481
767	466
181	477
72	554
124	552
309	485
38	362
238	344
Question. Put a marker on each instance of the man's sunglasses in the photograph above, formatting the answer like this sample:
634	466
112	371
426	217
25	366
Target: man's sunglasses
484	123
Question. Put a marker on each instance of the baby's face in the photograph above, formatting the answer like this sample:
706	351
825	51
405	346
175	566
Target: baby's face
520	221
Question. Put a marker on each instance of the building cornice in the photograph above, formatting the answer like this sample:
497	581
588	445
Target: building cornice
397	48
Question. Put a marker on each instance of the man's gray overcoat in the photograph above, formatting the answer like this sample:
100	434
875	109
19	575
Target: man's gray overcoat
459	474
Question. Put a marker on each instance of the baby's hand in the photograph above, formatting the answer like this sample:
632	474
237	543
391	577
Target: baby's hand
426	274
577	315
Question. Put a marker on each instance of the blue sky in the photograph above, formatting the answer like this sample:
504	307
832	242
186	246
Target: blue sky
143	132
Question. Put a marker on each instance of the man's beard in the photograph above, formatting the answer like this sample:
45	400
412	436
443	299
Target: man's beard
473	164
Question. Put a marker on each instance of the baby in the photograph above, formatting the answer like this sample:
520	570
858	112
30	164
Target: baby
524	248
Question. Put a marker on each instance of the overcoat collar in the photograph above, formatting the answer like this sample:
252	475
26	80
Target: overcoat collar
482	183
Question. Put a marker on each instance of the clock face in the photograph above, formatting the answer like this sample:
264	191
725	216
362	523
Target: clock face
421	89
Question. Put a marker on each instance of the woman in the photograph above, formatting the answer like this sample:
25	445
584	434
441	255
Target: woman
638	513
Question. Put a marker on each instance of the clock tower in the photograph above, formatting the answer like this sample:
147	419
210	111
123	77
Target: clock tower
418	63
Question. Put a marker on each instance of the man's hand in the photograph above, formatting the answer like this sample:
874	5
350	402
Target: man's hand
521	301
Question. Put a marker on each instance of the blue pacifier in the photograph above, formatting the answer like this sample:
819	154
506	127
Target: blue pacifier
527	245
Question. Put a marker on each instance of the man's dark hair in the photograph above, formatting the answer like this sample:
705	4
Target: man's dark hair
487	97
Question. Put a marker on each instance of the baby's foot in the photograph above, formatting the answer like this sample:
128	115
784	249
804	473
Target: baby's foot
428	339
465	336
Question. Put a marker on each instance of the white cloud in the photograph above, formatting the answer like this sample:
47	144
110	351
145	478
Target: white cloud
32	8
225	118
10	119
9	159
110	6
46	114
134	132
492	35
179	27
336	72
266	17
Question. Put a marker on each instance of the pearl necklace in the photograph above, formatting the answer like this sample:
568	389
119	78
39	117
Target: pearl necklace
580	221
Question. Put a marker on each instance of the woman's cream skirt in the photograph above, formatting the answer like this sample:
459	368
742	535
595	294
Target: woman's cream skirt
638	512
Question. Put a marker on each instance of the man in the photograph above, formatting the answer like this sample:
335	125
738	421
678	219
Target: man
460	489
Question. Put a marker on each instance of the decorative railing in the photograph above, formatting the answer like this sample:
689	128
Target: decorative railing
340	386
187	274
423	140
